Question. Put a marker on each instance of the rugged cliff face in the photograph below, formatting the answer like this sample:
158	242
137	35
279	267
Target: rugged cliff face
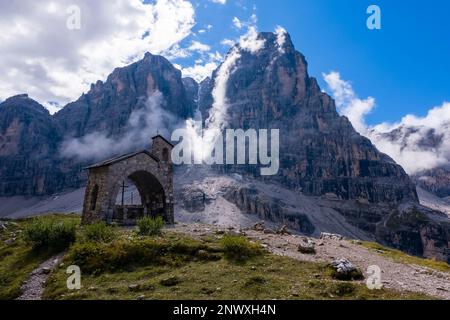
436	181
108	105
28	135
31	162
320	151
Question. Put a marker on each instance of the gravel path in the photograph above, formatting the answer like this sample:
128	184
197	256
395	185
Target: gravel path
33	287
394	275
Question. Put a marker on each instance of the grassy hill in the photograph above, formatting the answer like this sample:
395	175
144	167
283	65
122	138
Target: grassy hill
119	263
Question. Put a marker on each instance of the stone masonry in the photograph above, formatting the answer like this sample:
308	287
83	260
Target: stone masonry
152	174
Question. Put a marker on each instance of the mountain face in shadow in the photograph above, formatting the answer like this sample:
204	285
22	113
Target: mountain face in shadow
268	87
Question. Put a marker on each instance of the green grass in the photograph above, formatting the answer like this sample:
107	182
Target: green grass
402	257
18	260
239	249
130	251
183	269
174	266
264	277
100	232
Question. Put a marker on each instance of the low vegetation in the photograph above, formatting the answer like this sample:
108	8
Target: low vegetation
130	252
50	233
239	248
402	257
123	264
262	277
99	232
17	258
149	226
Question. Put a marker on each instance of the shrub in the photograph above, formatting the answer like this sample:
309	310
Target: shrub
99	232
239	248
149	226
97	257
51	233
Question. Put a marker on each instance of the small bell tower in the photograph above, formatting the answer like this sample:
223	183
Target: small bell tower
162	149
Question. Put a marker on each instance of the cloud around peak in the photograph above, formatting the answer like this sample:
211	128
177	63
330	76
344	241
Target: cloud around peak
416	143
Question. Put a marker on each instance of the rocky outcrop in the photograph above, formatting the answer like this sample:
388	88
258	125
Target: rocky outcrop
418	231
436	181
252	201
194	199
191	87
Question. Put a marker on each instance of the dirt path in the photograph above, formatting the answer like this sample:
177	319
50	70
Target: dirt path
33	287
394	275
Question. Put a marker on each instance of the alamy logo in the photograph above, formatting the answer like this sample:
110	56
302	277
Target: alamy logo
374	20
74	19
374	278
231	147
74	280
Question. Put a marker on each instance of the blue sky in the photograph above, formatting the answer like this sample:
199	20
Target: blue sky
405	66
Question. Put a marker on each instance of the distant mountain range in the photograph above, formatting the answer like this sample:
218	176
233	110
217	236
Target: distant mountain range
422	139
264	85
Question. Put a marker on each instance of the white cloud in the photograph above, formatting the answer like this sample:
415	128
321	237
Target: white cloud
348	103
176	52
281	38
250	41
215	56
199	47
41	56
228	42
219	1
202	69
406	141
217	120
241	24
237	23
199	71
143	123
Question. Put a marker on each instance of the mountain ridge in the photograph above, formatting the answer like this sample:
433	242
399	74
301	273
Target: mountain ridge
262	83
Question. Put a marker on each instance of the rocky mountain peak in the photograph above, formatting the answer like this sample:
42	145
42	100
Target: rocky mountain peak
23	103
268	86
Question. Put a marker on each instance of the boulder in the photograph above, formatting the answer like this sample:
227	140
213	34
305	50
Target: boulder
259	226
306	247
343	269
283	231
331	236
